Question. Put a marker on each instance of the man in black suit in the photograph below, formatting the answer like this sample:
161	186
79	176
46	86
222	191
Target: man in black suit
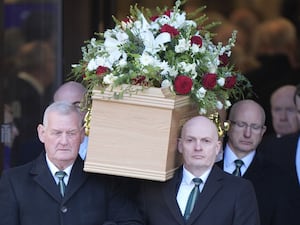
30	97
222	199
33	194
272	185
285	151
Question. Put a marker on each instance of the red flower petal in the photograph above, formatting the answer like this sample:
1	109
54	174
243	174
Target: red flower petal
169	29
209	81
230	82
101	70
224	59
183	84
196	40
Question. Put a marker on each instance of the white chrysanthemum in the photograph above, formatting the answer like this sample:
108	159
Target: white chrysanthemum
165	83
122	62
183	45
195	48
221	81
146	59
98	61
177	20
227	104
163	20
212	68
109	79
188	68
202	49
219	105
93	42
202	111
201	93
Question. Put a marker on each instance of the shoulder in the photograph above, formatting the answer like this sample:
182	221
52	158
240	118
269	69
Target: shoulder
273	144
16	175
228	181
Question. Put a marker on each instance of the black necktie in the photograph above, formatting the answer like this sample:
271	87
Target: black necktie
238	165
62	186
192	198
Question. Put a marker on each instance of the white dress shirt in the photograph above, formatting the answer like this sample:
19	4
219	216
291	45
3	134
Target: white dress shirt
83	147
230	157
186	187
54	169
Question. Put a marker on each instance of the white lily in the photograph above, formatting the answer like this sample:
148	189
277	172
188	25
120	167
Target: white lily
152	44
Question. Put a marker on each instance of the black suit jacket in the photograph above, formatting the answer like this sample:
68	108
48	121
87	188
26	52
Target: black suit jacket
282	152
272	186
30	196
224	200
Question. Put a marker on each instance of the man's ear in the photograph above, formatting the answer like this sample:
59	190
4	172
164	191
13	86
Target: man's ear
82	134
179	145
41	132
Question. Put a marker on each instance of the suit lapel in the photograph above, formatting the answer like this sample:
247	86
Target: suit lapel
212	186
77	178
43	177
255	169
169	192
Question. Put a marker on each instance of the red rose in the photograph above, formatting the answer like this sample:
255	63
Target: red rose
196	40
168	13
101	70
169	29
153	18
209	81
126	20
230	82
183	84
139	80
224	59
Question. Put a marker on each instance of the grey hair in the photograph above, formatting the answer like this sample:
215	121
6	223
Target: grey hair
63	108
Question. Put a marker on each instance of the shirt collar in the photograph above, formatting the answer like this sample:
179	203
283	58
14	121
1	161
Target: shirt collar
229	157
54	169
187	176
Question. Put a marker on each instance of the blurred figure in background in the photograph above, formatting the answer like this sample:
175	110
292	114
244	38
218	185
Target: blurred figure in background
274	46
8	135
283	109
36	74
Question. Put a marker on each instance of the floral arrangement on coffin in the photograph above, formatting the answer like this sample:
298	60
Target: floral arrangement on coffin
168	50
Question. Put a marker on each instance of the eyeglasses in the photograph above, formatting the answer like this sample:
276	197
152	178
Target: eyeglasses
254	127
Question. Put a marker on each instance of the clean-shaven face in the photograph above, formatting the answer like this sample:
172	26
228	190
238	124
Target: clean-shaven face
199	145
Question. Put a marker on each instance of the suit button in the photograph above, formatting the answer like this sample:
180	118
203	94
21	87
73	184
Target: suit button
63	209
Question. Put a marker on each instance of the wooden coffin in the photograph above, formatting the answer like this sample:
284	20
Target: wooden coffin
136	135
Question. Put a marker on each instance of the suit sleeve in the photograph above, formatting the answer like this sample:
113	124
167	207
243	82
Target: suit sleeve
122	206
246	206
8	202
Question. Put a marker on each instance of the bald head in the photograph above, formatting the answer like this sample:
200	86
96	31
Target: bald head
286	91
247	107
203	123
71	91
